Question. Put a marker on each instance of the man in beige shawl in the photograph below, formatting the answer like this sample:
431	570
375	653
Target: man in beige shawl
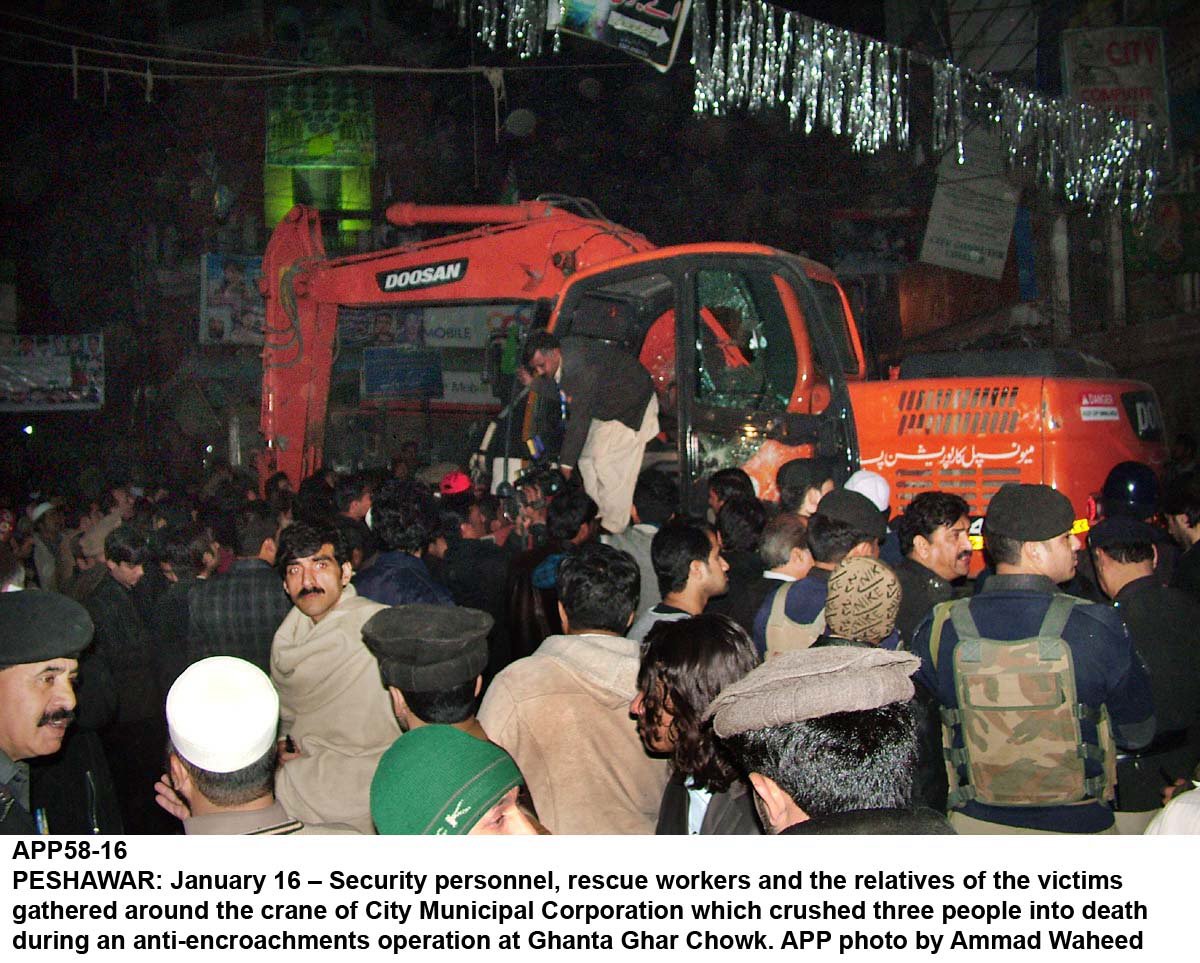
335	718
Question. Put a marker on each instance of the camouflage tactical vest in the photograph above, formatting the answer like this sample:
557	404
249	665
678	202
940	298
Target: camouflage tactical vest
1017	725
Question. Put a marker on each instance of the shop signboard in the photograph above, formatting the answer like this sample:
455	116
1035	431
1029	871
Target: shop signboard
468	388
649	30
51	372
1122	69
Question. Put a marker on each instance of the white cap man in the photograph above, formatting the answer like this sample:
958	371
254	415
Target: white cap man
222	714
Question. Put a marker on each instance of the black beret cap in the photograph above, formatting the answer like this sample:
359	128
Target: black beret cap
428	648
1124	530
855	510
37	626
1029	513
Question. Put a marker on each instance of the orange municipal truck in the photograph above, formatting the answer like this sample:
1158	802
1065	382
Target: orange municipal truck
754	353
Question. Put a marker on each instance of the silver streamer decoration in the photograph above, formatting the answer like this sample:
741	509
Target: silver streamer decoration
524	24
741	42
898	81
703	101
489	22
749	55
948	127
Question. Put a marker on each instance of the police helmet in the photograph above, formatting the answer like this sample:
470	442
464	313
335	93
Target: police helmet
1131	489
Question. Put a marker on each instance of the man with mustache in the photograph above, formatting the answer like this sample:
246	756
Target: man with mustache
335	718
937	554
41	636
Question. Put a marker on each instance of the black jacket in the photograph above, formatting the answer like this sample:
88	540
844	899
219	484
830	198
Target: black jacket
920	590
1164	624
729	813
745	595
1187	572
603	383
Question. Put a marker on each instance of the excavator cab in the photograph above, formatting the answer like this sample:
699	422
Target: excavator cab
743	356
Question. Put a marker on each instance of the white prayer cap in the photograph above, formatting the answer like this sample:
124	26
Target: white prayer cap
222	714
871	484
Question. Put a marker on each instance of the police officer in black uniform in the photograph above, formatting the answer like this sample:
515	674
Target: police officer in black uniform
41	636
1028	534
1164	624
1130	491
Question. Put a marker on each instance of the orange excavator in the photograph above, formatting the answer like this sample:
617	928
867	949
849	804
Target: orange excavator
754	352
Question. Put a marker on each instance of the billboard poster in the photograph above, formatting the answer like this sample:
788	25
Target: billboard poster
232	310
1120	69
62	372
649	30
380	325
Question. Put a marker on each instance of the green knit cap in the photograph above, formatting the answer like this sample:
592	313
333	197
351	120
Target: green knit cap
439	781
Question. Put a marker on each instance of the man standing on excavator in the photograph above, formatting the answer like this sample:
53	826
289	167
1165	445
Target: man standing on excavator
611	412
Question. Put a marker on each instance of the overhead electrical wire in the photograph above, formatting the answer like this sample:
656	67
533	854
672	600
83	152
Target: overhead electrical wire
264	69
142	43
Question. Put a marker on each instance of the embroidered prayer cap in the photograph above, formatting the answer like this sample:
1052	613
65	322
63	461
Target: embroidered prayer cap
863	600
812	683
439	781
222	714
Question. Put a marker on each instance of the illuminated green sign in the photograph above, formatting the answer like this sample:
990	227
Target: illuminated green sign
324	122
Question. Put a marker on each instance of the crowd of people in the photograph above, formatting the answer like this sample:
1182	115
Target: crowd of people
396	653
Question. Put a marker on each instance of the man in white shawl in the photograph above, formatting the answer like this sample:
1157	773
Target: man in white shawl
335	718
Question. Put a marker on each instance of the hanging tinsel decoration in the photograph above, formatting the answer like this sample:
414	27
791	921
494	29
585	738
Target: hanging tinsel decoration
488	30
750	55
741	41
746	57
948	126
526	20
898	81
703	101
